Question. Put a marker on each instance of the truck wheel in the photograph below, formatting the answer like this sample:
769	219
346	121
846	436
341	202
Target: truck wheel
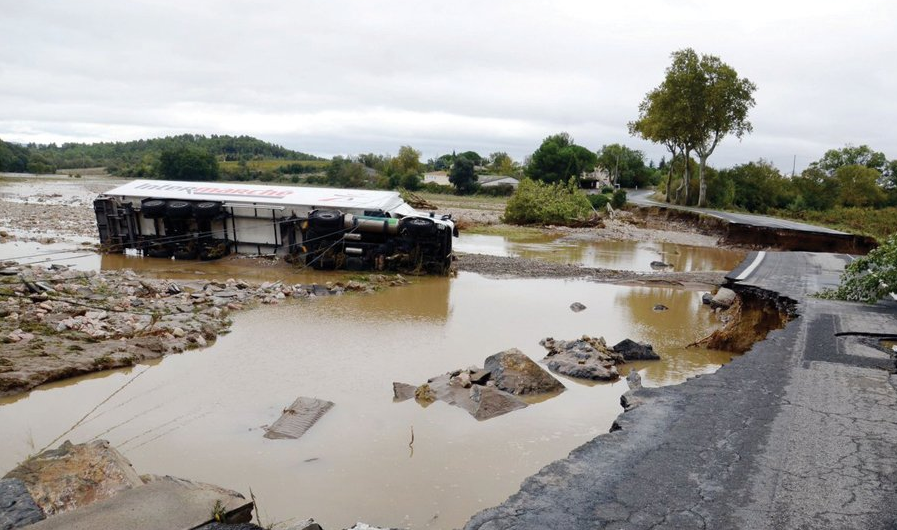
329	220
159	252
186	254
207	210
418	226
152	208
180	210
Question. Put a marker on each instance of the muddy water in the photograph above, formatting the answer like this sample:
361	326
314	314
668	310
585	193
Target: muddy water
622	255
199	415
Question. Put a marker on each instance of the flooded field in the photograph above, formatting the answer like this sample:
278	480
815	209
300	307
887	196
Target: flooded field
200	414
621	255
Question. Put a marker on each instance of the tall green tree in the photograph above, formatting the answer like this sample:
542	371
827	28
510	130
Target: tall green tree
759	186
558	159
188	163
851	156
625	165
726	101
462	175
858	186
700	101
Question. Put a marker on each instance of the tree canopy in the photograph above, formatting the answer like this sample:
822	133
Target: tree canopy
558	159
625	165
462	175
700	101
188	163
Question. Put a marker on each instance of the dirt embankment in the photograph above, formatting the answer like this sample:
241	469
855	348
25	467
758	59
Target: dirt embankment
750	319
57	323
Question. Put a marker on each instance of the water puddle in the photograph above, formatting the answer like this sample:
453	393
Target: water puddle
200	414
621	255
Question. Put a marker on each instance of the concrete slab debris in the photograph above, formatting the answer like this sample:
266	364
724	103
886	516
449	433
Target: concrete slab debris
298	418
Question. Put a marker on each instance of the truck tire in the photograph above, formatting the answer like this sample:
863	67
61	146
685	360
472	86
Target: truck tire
207	210
179	210
153	208
418	226
186	254
326	220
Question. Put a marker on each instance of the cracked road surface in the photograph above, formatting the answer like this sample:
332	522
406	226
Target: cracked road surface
800	432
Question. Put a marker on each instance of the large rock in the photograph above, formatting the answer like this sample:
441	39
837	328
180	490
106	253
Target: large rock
636	351
483	401
724	298
17	508
517	374
402	391
584	358
489	402
73	476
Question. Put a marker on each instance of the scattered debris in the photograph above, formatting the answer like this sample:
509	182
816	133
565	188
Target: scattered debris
706	298
660	307
298	418
659	265
576	307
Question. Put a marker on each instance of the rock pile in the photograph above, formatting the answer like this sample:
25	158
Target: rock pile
61	322
591	358
485	392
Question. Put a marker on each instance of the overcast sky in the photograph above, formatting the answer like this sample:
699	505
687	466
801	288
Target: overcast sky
352	76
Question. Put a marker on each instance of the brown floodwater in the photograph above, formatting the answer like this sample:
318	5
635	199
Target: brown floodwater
200	414
620	255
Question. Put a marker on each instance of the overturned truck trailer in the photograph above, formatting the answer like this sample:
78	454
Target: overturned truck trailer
321	227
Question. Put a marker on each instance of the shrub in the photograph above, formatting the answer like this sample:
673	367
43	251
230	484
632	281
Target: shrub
537	202
599	201
618	199
869	278
607	190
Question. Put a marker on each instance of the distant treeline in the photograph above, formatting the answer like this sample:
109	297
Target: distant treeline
139	158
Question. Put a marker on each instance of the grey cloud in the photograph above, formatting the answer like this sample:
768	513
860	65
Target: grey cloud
352	76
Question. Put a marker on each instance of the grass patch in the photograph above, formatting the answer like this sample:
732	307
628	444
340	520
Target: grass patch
233	166
505	230
878	223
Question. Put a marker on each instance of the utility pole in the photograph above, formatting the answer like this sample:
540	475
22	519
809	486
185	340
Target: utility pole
793	166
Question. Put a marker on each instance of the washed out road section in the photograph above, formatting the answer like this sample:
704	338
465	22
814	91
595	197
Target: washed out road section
797	433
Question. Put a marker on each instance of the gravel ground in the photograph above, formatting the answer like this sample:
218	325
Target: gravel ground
58	322
516	267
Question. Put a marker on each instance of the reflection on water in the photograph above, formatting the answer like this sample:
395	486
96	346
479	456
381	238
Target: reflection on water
199	415
622	255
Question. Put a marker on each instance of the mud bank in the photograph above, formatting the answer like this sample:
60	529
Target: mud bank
57	323
754	314
518	267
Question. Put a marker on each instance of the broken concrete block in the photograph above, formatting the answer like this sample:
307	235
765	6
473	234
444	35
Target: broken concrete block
298	418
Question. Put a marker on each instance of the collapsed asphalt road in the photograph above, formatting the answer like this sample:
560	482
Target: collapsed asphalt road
798	433
642	198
